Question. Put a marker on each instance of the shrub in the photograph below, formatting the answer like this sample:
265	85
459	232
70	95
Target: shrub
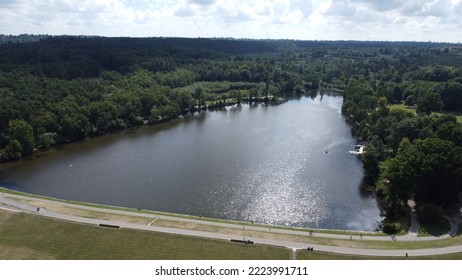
391	228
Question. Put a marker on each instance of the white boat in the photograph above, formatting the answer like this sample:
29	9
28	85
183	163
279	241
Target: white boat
359	151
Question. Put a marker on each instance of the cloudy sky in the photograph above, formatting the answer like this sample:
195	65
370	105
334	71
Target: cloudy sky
409	20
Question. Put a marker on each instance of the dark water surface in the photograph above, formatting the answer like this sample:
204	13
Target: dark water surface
259	163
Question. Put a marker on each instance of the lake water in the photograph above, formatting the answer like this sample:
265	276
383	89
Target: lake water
281	165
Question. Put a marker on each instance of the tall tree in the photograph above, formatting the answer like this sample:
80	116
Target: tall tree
428	103
21	131
12	151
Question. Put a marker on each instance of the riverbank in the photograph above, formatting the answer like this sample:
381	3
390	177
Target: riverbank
358	243
211	105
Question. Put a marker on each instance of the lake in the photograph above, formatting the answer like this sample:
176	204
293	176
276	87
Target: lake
284	164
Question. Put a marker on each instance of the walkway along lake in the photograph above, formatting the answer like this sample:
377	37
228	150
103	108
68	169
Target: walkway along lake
282	165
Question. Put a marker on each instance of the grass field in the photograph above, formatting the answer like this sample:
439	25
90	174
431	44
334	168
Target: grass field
402	107
306	255
24	236
412	110
289	236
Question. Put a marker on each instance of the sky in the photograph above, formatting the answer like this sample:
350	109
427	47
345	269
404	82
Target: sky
384	20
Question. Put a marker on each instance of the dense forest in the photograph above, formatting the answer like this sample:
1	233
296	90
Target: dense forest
402	98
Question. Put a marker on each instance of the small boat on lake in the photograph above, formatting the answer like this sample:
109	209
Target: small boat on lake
358	151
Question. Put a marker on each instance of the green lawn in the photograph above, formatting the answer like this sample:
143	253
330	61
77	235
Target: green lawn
402	107
412	110
316	255
24	236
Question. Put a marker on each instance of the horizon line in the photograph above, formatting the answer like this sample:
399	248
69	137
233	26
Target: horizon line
235	38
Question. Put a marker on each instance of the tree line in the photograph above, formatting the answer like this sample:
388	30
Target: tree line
55	90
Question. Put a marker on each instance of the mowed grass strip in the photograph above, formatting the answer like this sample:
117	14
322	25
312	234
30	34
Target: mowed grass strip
24	236
5	215
317	255
392	245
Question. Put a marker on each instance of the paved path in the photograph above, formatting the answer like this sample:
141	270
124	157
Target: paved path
415	225
10	201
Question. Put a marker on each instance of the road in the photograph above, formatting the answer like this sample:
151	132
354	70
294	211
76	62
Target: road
11	202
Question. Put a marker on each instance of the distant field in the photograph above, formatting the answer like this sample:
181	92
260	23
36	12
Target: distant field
412	110
402	107
24	236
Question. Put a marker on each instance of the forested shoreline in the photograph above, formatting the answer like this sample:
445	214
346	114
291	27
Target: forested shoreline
406	115
56	90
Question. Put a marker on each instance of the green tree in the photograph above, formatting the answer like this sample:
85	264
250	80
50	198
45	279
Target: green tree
44	121
20	130
47	139
410	100
399	174
155	114
169	110
12	151
382	105
104	122
200	96
451	94
185	101
429	170
376	153
198	93
439	166
75	127
428	103
368	103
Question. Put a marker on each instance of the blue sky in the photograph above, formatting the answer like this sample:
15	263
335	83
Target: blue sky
409	20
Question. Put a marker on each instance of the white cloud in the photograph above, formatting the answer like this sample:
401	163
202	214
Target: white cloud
437	8
203	2
380	5
185	11
436	20
304	6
